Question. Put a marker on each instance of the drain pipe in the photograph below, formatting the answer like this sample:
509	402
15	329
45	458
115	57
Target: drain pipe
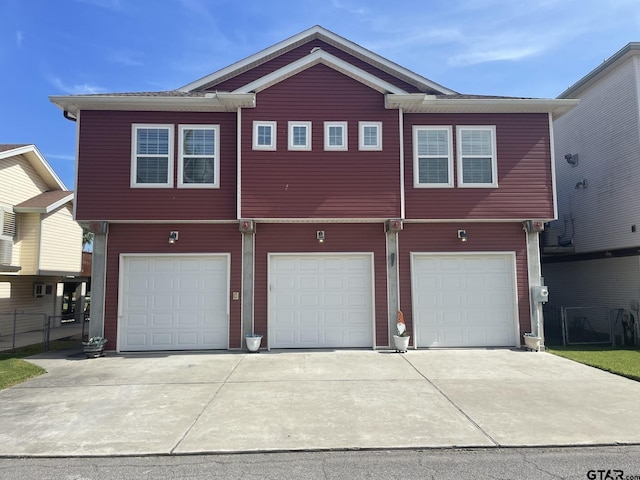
68	116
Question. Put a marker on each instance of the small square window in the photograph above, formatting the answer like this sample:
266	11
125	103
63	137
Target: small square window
299	135
264	135
335	136
370	135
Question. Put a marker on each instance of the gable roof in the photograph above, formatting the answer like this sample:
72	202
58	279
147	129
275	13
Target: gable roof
37	161
621	56
317	32
45	202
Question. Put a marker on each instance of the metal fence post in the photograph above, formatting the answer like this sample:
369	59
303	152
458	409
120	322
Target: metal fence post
15	321
46	325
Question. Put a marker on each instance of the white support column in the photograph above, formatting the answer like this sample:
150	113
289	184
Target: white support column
98	283
393	288
534	269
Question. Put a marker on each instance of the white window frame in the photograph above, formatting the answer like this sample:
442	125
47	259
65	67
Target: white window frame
134	155
416	157
216	154
273	126
345	136
7	215
307	127
494	156
361	128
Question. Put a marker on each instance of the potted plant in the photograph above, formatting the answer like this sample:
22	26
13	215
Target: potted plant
532	342
253	341
402	337
94	347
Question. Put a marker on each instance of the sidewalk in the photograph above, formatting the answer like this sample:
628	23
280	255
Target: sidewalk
179	403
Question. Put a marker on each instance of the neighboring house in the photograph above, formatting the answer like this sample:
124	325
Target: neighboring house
591	254
308	193
40	243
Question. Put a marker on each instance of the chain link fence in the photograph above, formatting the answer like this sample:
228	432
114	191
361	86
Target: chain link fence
22	329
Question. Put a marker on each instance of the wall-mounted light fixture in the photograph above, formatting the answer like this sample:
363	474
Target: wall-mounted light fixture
320	236
462	235
581	184
173	237
572	159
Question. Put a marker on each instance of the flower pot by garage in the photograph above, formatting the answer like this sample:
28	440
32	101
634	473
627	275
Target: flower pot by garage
532	343
93	351
253	342
401	343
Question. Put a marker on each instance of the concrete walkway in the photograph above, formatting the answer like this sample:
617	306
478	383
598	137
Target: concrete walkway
178	403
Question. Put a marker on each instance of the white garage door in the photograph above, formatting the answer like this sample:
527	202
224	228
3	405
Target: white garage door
320	301
464	300
177	302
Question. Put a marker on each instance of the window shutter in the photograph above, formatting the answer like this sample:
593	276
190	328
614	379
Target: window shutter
8	223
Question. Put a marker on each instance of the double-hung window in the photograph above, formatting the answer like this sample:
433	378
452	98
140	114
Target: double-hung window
370	135
152	156
299	135
264	135
199	156
477	161
335	136
432	156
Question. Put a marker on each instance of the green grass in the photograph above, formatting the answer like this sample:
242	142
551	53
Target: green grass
625	362
14	370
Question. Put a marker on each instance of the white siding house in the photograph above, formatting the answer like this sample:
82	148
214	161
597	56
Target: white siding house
590	254
40	243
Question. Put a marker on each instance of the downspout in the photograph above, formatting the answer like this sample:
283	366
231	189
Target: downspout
68	116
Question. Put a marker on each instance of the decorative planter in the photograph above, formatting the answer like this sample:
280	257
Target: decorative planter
401	343
532	343
253	342
94	351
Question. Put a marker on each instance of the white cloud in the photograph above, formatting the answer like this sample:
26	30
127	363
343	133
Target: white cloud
19	38
67	158
77	89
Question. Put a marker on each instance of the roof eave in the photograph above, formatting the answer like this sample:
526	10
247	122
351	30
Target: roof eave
419	103
48	208
214	102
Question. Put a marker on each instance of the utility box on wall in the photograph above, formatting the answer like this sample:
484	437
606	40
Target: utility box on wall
540	294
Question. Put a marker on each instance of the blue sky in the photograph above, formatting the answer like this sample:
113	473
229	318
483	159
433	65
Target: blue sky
534	48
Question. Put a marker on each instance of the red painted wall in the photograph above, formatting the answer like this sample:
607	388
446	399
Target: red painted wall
340	237
482	237
300	52
525	187
153	238
318	183
103	189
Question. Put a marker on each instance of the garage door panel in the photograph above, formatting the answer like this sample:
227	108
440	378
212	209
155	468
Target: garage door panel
464	300
177	302
320	301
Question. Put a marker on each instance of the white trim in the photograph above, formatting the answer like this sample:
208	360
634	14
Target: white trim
510	254
494	156
262	123
308	137
554	185
76	161
402	179
321	254
345	136
361	128
416	163
239	164
39	164
314	58
216	154
121	292
134	155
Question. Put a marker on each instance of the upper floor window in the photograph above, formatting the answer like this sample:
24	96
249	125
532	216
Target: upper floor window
370	135
152	156
477	161
264	135
299	135
432	157
335	136
199	156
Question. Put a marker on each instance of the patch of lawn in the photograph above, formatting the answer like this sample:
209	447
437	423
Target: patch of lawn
625	362
14	370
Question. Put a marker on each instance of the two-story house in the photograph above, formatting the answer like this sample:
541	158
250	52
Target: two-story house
308	193
592	252
40	243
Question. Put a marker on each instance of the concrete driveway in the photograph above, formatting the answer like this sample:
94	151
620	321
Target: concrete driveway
178	403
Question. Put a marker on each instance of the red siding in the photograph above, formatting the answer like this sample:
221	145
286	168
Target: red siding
104	171
152	238
482	237
298	53
299	238
525	187
317	183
